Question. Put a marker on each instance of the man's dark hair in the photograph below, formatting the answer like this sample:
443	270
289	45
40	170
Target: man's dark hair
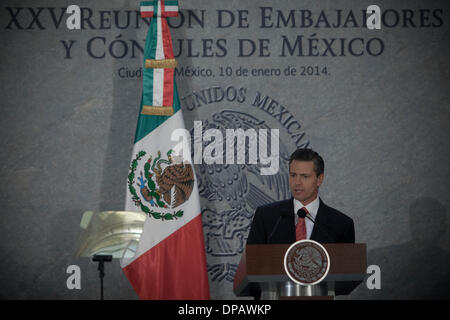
309	155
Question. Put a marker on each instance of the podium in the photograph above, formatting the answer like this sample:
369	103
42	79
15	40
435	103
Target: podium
261	272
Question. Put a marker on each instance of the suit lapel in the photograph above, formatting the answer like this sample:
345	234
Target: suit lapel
317	234
290	219
289	208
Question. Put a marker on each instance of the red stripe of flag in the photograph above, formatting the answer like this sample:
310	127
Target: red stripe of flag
168	54
147	14
174	269
168	87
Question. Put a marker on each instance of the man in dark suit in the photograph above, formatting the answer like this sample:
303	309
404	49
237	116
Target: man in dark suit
280	222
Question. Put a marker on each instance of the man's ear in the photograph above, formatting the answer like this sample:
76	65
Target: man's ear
320	179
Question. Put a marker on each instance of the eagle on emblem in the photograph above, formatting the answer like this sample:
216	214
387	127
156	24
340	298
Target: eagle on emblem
174	183
307	260
181	178
241	186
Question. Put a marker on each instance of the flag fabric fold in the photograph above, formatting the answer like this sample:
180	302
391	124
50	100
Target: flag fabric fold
170	260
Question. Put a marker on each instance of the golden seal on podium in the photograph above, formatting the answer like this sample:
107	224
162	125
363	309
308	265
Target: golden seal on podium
306	262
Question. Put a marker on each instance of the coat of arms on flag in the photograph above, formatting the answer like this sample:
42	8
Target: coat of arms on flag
164	183
170	261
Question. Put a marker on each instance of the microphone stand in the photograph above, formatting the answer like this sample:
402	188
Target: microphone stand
302	214
101	259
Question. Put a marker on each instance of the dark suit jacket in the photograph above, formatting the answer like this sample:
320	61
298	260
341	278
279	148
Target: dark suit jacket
331	225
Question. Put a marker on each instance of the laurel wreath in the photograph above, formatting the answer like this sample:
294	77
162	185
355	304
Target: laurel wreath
151	184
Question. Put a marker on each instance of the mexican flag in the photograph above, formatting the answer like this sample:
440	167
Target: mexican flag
170	260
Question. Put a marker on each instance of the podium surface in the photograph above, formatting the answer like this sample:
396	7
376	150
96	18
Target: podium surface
261	268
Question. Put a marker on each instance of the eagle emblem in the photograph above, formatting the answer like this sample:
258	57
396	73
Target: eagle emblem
164	184
307	262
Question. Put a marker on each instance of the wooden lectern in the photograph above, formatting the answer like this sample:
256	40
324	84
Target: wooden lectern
261	272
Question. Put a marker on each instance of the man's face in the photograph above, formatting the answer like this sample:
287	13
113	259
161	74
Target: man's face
303	181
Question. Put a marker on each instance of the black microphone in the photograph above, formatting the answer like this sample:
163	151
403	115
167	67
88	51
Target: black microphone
282	215
302	213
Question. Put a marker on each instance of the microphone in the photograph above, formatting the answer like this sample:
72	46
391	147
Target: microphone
302	213
282	215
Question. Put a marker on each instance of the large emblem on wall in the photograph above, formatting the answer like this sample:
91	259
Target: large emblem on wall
230	194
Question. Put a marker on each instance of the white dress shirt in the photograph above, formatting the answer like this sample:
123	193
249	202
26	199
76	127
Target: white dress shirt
312	208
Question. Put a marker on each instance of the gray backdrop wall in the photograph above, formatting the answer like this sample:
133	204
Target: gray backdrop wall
374	103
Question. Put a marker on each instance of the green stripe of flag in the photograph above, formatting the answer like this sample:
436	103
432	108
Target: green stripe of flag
150	53
152	38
